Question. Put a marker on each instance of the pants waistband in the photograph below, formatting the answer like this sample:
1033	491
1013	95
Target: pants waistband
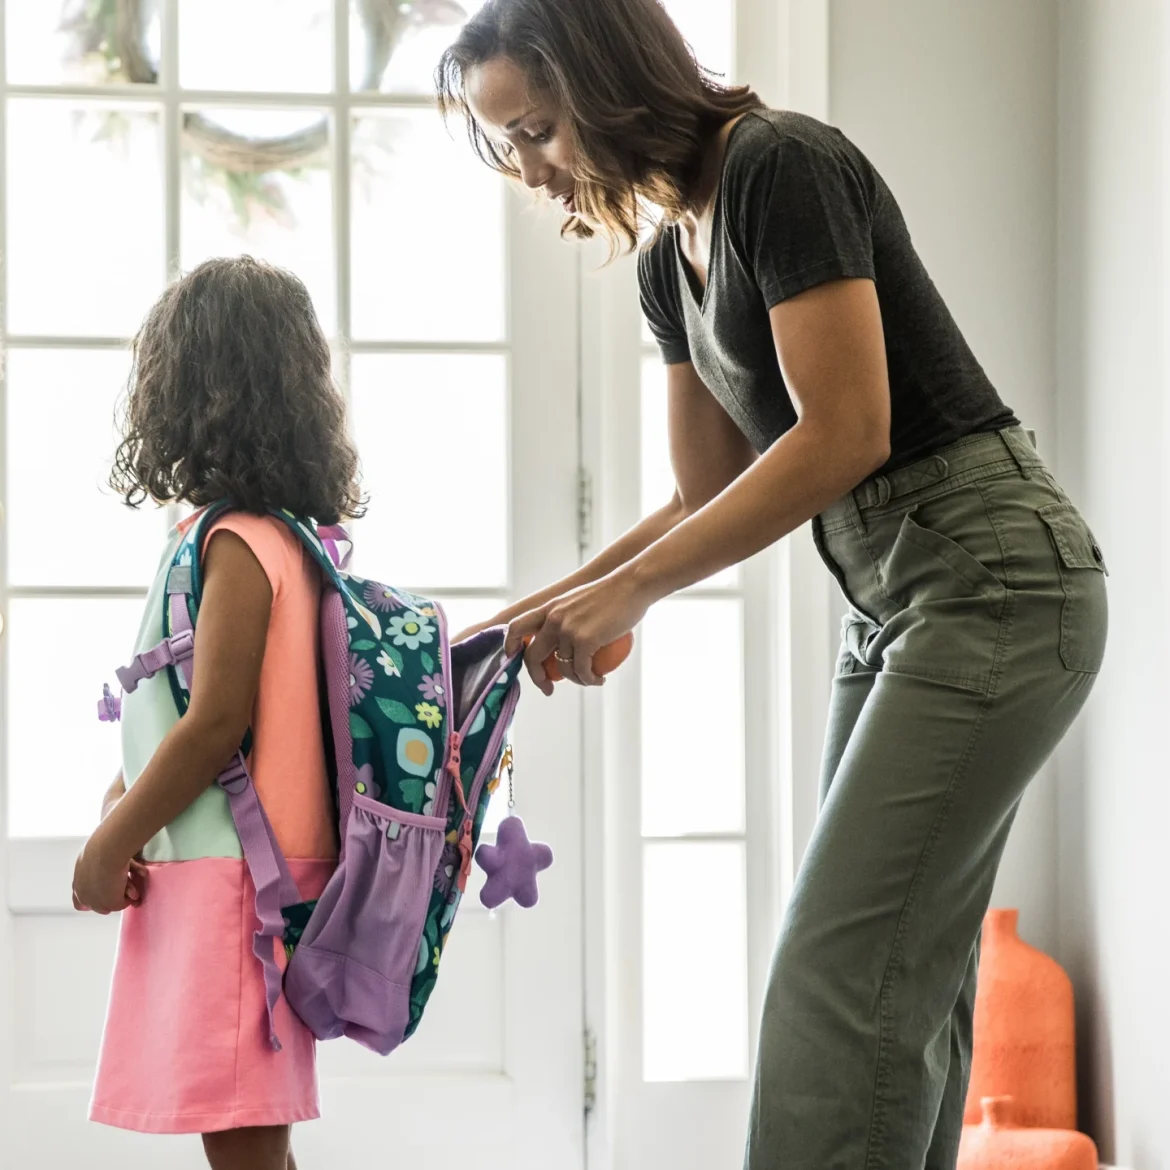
965	458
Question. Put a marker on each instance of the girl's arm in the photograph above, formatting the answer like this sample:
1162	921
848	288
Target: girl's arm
114	793
831	351
707	452
229	649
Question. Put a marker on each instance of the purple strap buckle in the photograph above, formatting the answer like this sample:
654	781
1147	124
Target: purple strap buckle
169	652
109	706
234	778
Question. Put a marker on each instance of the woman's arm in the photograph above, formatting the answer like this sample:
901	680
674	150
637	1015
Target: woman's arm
707	452
831	351
229	649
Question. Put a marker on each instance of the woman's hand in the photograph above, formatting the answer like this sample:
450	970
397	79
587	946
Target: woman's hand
104	884
574	627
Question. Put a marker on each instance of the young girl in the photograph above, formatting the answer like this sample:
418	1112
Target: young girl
231	397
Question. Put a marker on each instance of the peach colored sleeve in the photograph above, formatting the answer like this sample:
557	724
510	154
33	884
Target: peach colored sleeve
264	535
288	754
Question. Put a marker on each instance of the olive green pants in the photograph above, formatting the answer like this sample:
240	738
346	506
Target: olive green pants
976	627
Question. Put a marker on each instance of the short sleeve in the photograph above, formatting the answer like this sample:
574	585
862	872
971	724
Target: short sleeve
660	303
802	216
269	540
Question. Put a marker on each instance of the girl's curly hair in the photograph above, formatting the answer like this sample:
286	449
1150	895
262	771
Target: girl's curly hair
231	396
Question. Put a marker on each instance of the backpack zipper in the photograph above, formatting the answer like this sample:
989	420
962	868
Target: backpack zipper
495	742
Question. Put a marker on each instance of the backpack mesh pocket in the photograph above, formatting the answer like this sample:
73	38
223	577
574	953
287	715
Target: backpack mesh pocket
352	971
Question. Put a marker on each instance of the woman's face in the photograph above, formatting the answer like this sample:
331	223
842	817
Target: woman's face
525	127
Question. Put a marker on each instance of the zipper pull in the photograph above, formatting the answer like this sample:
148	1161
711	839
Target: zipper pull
454	762
465	854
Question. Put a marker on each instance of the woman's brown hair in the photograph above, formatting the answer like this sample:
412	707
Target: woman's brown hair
231	396
639	106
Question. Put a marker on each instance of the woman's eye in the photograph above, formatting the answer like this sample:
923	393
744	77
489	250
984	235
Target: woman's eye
539	137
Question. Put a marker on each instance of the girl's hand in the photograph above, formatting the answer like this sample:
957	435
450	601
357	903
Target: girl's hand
574	627
103	884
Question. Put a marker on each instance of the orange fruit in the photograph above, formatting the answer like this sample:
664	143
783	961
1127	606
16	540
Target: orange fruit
607	659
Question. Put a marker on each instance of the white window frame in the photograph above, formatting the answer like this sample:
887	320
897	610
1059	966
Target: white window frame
782	48
538	1087
38	866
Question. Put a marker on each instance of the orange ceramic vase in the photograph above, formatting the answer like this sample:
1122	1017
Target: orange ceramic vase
1025	1043
999	1142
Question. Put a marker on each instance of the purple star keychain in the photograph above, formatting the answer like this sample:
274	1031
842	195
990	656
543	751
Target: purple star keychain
513	862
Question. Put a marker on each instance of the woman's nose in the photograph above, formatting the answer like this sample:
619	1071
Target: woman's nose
535	173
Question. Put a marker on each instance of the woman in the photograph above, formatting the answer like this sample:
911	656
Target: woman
814	373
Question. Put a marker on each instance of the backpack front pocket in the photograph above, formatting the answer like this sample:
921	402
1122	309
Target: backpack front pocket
352	971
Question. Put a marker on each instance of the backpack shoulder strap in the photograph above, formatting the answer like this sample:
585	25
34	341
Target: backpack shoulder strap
266	864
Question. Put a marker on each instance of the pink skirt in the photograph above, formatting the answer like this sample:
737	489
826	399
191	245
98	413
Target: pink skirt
185	1047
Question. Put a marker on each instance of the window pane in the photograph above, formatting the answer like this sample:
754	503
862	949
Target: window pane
467	611
400	56
50	42
432	431
694	962
428	234
85	217
657	474
65	526
707	26
60	758
284	215
692	769
276	45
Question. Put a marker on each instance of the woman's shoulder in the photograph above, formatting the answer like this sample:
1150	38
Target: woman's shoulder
763	137
782	158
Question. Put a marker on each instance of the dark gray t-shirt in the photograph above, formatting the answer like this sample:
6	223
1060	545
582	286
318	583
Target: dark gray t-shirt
798	204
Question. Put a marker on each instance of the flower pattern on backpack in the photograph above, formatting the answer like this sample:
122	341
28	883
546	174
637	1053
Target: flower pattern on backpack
411	631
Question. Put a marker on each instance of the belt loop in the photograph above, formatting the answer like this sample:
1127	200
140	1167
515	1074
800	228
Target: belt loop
1007	437
872	493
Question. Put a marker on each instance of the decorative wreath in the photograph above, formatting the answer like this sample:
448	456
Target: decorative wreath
112	34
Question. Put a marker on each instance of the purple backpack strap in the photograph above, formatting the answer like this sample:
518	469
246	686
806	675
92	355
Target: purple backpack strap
331	535
275	887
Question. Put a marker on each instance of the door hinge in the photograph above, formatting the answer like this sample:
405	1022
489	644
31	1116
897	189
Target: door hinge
584	508
590	1071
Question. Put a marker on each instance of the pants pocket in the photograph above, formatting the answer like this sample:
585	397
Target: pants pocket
948	604
352	971
945	557
1084	617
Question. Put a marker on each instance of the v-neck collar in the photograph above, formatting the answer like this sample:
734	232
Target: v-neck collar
699	296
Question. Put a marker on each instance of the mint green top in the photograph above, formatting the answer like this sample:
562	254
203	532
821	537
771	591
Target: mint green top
205	829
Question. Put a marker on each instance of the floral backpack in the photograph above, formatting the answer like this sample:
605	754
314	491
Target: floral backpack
415	735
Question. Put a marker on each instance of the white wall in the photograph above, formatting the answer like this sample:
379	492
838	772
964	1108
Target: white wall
1115	799
955	102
